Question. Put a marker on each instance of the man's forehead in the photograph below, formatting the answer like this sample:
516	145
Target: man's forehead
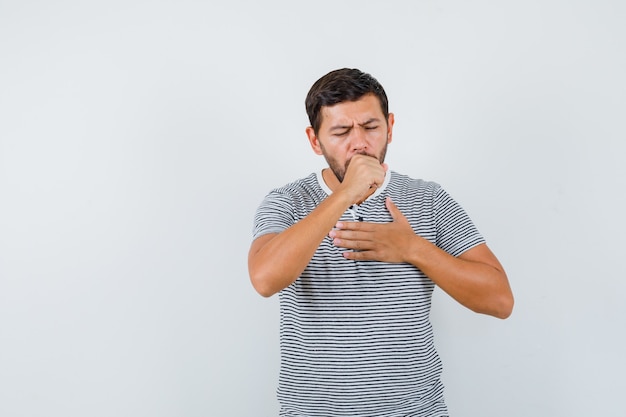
360	110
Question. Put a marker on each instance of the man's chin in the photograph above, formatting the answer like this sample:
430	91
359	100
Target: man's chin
339	175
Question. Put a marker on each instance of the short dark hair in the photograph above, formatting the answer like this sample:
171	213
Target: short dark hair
341	85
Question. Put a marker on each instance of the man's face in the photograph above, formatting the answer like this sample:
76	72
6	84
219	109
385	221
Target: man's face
350	128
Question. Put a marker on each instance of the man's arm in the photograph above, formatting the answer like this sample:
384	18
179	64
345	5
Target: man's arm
276	260
475	278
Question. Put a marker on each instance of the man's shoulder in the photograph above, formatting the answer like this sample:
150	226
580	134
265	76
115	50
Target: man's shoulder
305	191
403	182
299	185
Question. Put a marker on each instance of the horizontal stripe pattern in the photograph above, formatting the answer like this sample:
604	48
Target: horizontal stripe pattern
355	336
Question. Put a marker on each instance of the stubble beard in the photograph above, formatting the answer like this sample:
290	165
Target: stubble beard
340	171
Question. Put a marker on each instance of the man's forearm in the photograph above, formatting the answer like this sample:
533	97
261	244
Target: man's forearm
276	261
475	278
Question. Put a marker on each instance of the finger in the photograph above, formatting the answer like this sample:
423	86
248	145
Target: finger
346	244
360	256
352	244
349	225
345	235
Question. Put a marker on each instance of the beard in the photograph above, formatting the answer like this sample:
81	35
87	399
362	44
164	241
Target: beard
340	171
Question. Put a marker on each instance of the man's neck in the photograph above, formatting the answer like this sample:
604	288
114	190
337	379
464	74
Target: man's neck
330	179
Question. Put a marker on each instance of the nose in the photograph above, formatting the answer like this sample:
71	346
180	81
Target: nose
358	140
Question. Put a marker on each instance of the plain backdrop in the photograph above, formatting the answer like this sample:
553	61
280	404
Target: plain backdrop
137	139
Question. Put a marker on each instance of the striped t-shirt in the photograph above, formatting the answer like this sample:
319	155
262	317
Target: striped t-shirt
355	336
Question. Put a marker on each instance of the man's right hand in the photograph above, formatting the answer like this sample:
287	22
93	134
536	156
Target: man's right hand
364	175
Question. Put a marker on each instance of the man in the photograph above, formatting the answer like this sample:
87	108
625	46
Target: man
354	252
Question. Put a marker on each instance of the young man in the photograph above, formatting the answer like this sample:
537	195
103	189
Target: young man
354	252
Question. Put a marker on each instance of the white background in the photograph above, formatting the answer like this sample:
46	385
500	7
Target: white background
138	137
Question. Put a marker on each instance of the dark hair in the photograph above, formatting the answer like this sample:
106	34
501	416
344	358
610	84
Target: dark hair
342	85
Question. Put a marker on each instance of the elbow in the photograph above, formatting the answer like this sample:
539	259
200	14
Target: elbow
263	290
499	307
503	301
505	307
262	284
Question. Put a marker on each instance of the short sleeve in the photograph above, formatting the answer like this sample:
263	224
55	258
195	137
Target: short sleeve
456	233
275	214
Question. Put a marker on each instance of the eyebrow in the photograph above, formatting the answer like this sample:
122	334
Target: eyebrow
347	127
370	121
341	127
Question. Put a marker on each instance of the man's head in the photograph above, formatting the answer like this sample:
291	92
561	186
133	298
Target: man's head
349	115
339	86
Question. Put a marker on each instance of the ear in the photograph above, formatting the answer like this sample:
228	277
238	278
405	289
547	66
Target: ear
390	121
314	141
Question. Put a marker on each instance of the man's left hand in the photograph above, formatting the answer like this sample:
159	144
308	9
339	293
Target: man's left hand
385	242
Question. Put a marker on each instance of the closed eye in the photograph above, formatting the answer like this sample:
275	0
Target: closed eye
371	124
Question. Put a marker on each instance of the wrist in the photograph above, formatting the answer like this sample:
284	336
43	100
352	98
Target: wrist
345	197
417	250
